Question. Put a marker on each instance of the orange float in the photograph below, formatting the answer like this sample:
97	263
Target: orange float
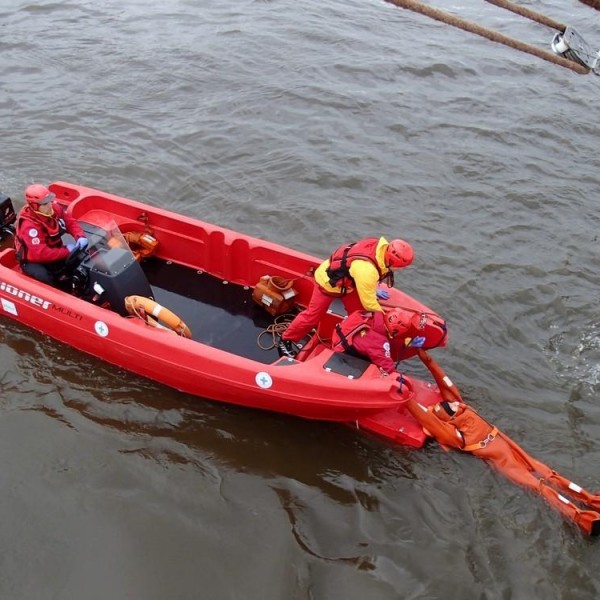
156	315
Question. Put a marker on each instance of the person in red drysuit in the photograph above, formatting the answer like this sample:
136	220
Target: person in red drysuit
372	335
455	424
41	223
351	273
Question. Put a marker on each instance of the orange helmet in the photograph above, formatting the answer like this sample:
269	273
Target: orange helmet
398	254
37	194
398	321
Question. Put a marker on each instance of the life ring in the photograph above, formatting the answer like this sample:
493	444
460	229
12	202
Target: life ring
156	315
141	244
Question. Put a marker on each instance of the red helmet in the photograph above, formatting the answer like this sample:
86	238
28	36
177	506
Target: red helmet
37	194
398	254
398	321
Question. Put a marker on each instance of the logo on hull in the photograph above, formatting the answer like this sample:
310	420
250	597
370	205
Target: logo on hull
17	293
11	308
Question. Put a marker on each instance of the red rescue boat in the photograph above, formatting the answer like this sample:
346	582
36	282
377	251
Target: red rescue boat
201	278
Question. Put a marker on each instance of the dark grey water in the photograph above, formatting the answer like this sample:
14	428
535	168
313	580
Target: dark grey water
309	123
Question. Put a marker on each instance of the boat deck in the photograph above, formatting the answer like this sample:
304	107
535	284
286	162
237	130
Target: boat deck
219	314
223	315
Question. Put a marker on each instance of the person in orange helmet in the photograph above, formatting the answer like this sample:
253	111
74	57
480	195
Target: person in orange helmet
379	336
454	424
41	223
351	273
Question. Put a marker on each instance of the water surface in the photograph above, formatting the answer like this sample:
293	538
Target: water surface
310	124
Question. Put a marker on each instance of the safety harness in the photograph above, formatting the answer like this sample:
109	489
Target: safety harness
338	270
54	228
489	438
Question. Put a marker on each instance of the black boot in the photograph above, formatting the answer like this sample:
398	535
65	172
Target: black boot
287	348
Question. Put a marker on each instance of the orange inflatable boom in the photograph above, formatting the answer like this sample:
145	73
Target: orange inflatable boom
454	424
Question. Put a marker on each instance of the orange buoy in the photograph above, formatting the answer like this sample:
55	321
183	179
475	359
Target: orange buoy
156	315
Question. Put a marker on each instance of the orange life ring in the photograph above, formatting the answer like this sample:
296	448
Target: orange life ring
142	244
156	315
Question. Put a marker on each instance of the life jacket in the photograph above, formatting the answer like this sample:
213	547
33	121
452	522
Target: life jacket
464	430
477	432
344	332
338	270
54	228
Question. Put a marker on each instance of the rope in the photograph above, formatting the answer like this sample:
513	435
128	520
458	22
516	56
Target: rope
494	36
528	14
593	3
275	330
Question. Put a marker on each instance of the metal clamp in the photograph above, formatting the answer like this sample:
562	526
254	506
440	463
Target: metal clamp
571	45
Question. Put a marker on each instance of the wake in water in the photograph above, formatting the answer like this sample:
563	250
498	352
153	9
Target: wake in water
581	361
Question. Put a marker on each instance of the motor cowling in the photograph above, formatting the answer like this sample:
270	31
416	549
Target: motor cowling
8	216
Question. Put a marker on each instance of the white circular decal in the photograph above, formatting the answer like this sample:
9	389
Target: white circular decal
33	232
263	380
101	328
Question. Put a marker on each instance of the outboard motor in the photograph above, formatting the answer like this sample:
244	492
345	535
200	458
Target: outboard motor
112	275
108	272
8	216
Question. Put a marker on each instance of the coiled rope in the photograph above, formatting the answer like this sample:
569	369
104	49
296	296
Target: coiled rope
274	331
495	36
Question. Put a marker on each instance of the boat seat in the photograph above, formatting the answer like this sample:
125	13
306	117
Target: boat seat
345	364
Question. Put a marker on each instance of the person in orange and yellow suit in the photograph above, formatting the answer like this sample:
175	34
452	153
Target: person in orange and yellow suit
353	273
454	424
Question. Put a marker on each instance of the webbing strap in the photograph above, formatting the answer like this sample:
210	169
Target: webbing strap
482	443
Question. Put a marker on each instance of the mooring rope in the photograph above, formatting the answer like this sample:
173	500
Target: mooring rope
593	3
495	36
528	14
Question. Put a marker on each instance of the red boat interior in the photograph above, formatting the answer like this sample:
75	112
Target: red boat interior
224	316
221	315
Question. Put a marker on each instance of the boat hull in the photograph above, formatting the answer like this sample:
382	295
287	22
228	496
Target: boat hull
313	388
